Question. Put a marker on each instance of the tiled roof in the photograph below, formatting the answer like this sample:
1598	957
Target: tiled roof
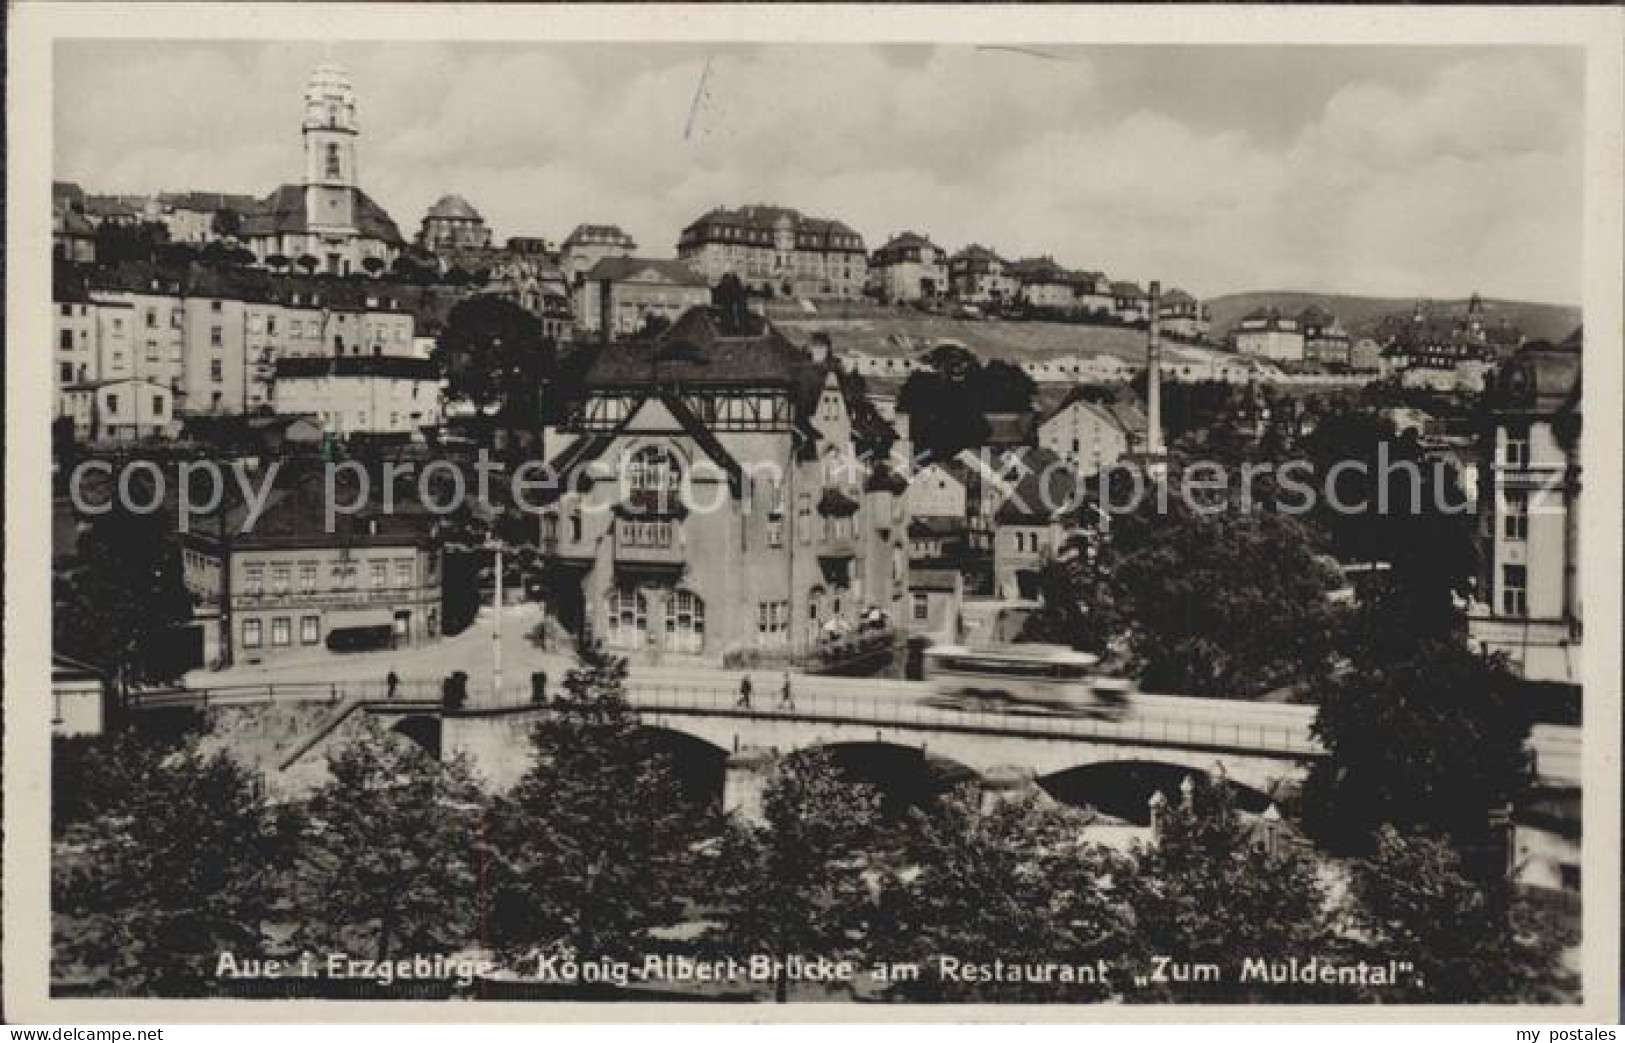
283	212
697	351
1128	289
453	208
1047	490
401	367
600	234
763	218
209	202
619	269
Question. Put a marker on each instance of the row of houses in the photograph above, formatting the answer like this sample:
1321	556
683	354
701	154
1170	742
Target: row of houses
135	347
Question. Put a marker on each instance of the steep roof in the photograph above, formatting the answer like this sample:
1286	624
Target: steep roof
587	233
453	208
618	269
698	350
1047	489
283	212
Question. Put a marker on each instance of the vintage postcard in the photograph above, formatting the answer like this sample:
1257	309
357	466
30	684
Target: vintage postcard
573	513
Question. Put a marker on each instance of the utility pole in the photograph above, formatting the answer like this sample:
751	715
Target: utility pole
1156	454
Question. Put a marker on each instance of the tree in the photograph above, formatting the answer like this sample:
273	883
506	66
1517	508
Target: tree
791	885
585	853
495	357
1207	890
1432	741
277	262
1077	604
226	223
732	301
1223	604
123	607
1470	942
1014	883
308	262
372	265
386	865
945	402
180	860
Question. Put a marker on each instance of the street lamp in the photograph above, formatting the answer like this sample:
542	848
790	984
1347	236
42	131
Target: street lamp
496	547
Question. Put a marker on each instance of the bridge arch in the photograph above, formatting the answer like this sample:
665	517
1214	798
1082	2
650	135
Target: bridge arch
423	729
1123	788
699	765
906	776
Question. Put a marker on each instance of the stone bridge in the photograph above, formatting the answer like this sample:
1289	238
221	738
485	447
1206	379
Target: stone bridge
724	751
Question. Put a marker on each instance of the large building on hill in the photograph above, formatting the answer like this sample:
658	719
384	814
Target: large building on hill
1529	590
452	225
620	294
910	267
978	275
588	244
778	251
1268	334
709	503
326	215
1443	352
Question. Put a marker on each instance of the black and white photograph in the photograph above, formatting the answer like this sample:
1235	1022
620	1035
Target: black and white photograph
813	512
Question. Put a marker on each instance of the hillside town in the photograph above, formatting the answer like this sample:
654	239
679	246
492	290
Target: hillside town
790	460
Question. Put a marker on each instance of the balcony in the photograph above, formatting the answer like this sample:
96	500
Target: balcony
649	542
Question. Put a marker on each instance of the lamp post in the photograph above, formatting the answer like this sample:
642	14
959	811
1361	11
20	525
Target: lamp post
495	546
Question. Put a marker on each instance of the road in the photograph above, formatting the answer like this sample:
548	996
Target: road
420	669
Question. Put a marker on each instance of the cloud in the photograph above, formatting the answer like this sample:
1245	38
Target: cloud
1450	177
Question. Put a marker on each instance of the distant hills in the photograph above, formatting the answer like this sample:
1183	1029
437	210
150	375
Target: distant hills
1360	314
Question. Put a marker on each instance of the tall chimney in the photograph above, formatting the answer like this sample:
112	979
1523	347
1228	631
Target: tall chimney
1153	376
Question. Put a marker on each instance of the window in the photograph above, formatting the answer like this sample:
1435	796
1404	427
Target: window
804	517
307	577
215	335
270	324
67	310
772	617
1514	590
403	572
280	575
1516	450
281	632
922	607
67	340
65	371
775	532
216	374
251	633
157	405
377	575
152	319
628	613
253	579
334	171
310	629
1515	522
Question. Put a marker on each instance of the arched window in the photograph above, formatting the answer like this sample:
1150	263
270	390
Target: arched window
628	617
653	478
685	621
334	169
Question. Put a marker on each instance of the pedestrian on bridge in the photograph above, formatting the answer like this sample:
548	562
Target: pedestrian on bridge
744	693
392	682
787	700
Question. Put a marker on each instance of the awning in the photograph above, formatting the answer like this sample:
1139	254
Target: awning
365	617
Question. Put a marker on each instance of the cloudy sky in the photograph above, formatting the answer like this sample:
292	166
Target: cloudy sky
1386	170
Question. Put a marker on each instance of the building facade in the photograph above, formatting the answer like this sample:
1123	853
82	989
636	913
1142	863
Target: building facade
588	244
119	410
287	587
910	267
1267	334
1184	315
366	394
978	275
452	225
1530	597
709	501
778	251
620	294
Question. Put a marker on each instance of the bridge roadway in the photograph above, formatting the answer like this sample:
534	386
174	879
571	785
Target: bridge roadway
1194	726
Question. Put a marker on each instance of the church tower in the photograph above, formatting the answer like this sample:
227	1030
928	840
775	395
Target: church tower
330	132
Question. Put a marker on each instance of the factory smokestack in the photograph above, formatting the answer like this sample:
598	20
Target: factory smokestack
1153	378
